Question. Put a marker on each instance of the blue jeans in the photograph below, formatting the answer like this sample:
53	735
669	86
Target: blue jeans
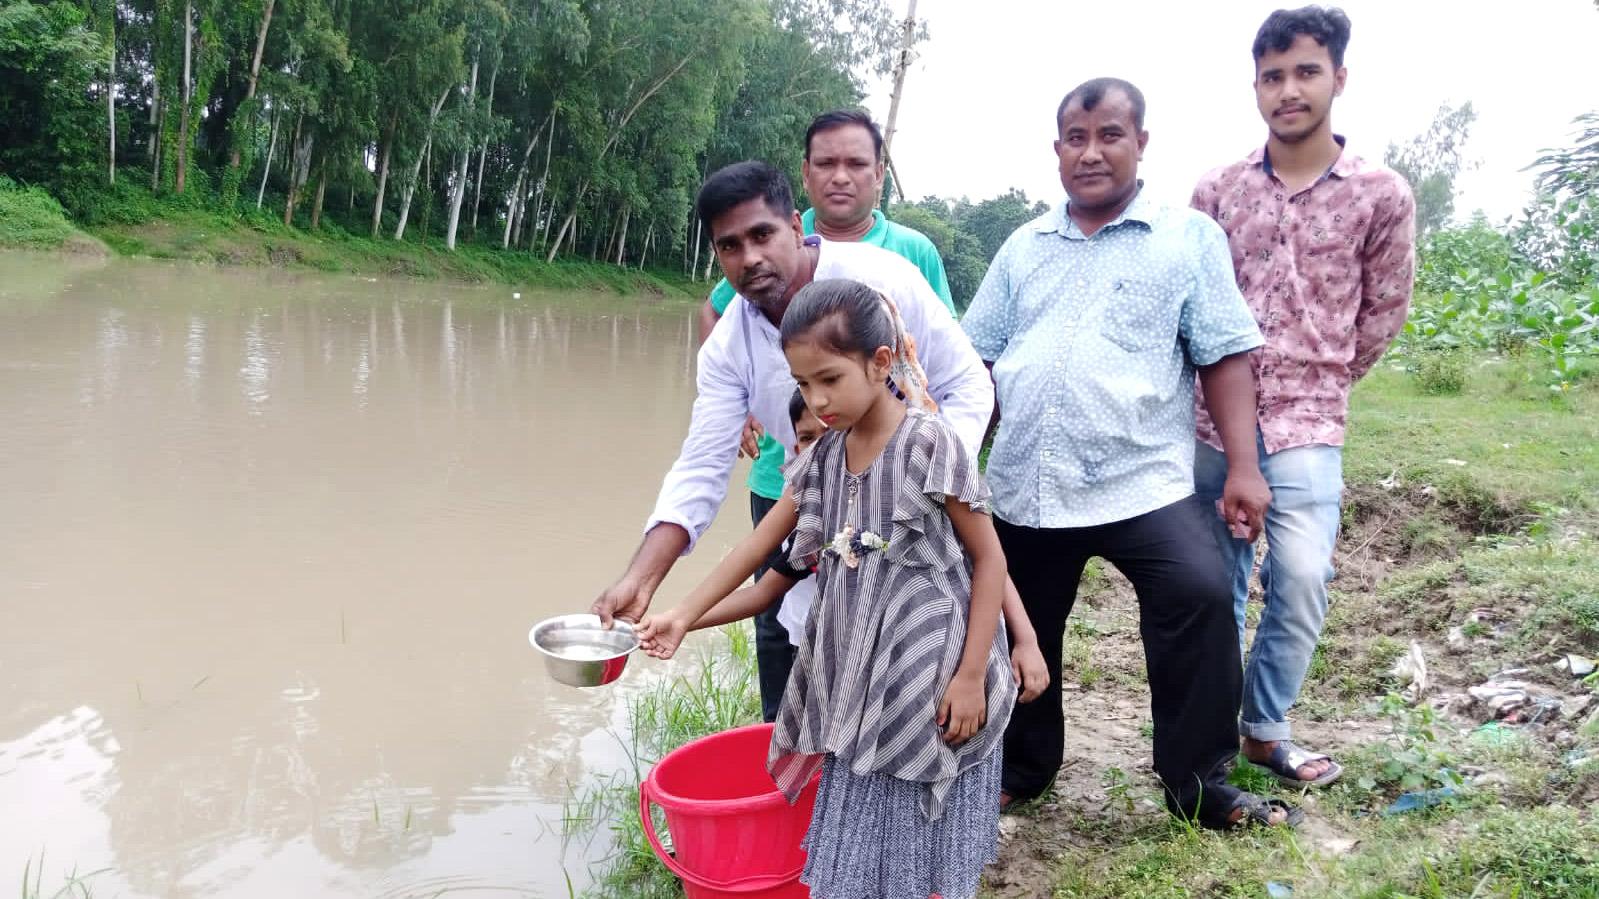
1307	485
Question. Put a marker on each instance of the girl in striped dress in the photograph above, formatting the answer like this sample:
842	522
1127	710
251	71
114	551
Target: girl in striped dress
902	686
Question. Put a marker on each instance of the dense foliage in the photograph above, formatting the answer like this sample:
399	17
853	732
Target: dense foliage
1530	288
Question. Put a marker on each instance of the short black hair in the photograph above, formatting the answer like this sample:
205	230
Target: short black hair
1328	25
839	118
1091	92
796	407
741	182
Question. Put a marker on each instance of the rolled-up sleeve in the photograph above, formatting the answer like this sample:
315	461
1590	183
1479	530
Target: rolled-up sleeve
956	378
1216	321
695	487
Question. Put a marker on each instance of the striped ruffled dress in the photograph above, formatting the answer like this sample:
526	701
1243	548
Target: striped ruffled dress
900	813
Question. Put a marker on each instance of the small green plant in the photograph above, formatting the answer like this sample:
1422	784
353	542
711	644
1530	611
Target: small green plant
1410	758
1119	790
1442	372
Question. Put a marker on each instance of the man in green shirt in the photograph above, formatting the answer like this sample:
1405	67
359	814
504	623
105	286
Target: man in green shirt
843	177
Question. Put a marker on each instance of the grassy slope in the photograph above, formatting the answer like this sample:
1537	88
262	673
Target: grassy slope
203	236
31	219
1428	541
133	222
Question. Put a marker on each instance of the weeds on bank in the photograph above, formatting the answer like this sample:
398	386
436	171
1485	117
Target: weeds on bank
720	694
30	218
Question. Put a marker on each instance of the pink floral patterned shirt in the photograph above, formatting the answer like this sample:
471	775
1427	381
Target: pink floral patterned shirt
1327	272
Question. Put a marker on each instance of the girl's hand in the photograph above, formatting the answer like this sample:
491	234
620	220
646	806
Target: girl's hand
660	635
1032	675
962	711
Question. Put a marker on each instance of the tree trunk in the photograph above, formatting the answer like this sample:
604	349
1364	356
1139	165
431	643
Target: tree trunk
160	147
543	185
187	93
541	230
621	243
416	169
560	236
694	269
514	217
511	210
516	208
321	190
255	69
901	66
483	155
111	105
594	245
383	171
272	146
649	240
299	166
427	180
616	134
459	193
155	120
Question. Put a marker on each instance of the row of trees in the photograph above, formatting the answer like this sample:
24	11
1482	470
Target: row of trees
553	126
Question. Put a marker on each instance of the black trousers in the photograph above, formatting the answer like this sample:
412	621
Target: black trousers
1185	607
774	655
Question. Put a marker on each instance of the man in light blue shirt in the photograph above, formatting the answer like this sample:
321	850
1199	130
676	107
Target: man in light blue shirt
1094	319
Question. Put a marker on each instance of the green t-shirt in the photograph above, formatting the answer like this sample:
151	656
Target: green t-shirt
766	475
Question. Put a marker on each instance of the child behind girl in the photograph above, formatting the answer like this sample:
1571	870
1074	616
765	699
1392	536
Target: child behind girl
780	576
902	686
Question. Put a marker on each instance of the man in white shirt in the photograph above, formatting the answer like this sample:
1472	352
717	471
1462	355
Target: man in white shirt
748	208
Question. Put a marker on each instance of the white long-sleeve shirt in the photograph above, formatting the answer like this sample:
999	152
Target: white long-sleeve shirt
742	372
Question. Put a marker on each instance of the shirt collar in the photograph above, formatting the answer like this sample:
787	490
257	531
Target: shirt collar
1141	210
873	235
1342	167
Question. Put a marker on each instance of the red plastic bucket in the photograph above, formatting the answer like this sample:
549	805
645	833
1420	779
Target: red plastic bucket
734	834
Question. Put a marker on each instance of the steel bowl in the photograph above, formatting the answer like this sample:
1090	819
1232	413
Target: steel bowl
579	652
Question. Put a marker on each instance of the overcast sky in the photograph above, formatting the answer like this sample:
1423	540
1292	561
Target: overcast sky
977	117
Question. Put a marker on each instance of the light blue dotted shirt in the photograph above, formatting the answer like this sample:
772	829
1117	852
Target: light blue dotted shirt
1094	341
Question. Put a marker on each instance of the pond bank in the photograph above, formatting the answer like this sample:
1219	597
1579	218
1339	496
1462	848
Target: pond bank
164	228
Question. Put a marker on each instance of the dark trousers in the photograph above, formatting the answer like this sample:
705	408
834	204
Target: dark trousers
774	655
1190	647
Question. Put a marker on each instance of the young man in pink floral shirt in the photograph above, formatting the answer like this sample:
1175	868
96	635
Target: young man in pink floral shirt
1323	248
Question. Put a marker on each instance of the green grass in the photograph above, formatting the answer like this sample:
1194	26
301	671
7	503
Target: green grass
32	219
720	694
132	221
1541	853
1526	449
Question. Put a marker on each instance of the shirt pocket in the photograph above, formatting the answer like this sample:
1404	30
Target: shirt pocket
1139	315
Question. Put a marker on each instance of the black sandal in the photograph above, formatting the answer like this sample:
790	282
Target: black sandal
1257	813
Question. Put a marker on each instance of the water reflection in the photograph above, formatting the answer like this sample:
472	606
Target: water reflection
269	584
